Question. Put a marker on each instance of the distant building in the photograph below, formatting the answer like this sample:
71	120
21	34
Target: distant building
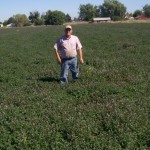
131	18
11	25
102	19
1	25
141	18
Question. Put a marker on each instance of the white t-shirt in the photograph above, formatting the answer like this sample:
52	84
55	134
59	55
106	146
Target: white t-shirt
68	46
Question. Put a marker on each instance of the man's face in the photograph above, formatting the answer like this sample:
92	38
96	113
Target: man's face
68	31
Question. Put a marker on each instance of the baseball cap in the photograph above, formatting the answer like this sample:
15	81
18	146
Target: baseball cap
68	27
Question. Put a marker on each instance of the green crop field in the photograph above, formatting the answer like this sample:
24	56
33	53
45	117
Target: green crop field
108	108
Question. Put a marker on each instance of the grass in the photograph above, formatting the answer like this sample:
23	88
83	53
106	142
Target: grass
107	108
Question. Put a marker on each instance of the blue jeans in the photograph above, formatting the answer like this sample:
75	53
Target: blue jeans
69	64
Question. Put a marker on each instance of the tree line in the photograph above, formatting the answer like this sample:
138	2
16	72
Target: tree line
110	8
48	18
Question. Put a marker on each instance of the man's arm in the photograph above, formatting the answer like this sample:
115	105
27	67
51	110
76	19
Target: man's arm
80	55
57	56
79	50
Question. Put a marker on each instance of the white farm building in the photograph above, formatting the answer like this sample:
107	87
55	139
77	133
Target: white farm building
102	19
11	25
1	25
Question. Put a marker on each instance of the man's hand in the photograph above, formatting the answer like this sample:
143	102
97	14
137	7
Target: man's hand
81	61
59	61
80	56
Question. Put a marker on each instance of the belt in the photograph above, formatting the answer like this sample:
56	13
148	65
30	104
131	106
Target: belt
68	58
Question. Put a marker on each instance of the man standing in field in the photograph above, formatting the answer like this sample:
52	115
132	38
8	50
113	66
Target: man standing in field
66	49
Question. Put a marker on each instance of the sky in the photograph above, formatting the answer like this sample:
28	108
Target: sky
8	8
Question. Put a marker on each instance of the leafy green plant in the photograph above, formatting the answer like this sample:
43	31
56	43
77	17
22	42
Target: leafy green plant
107	108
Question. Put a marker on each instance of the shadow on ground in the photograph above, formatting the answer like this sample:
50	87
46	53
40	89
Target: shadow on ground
48	79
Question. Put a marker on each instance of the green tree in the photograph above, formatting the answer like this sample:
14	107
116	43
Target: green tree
146	10
87	12
137	13
98	11
67	18
5	22
21	20
11	20
75	19
47	17
58	18
113	9
54	17
34	16
39	21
